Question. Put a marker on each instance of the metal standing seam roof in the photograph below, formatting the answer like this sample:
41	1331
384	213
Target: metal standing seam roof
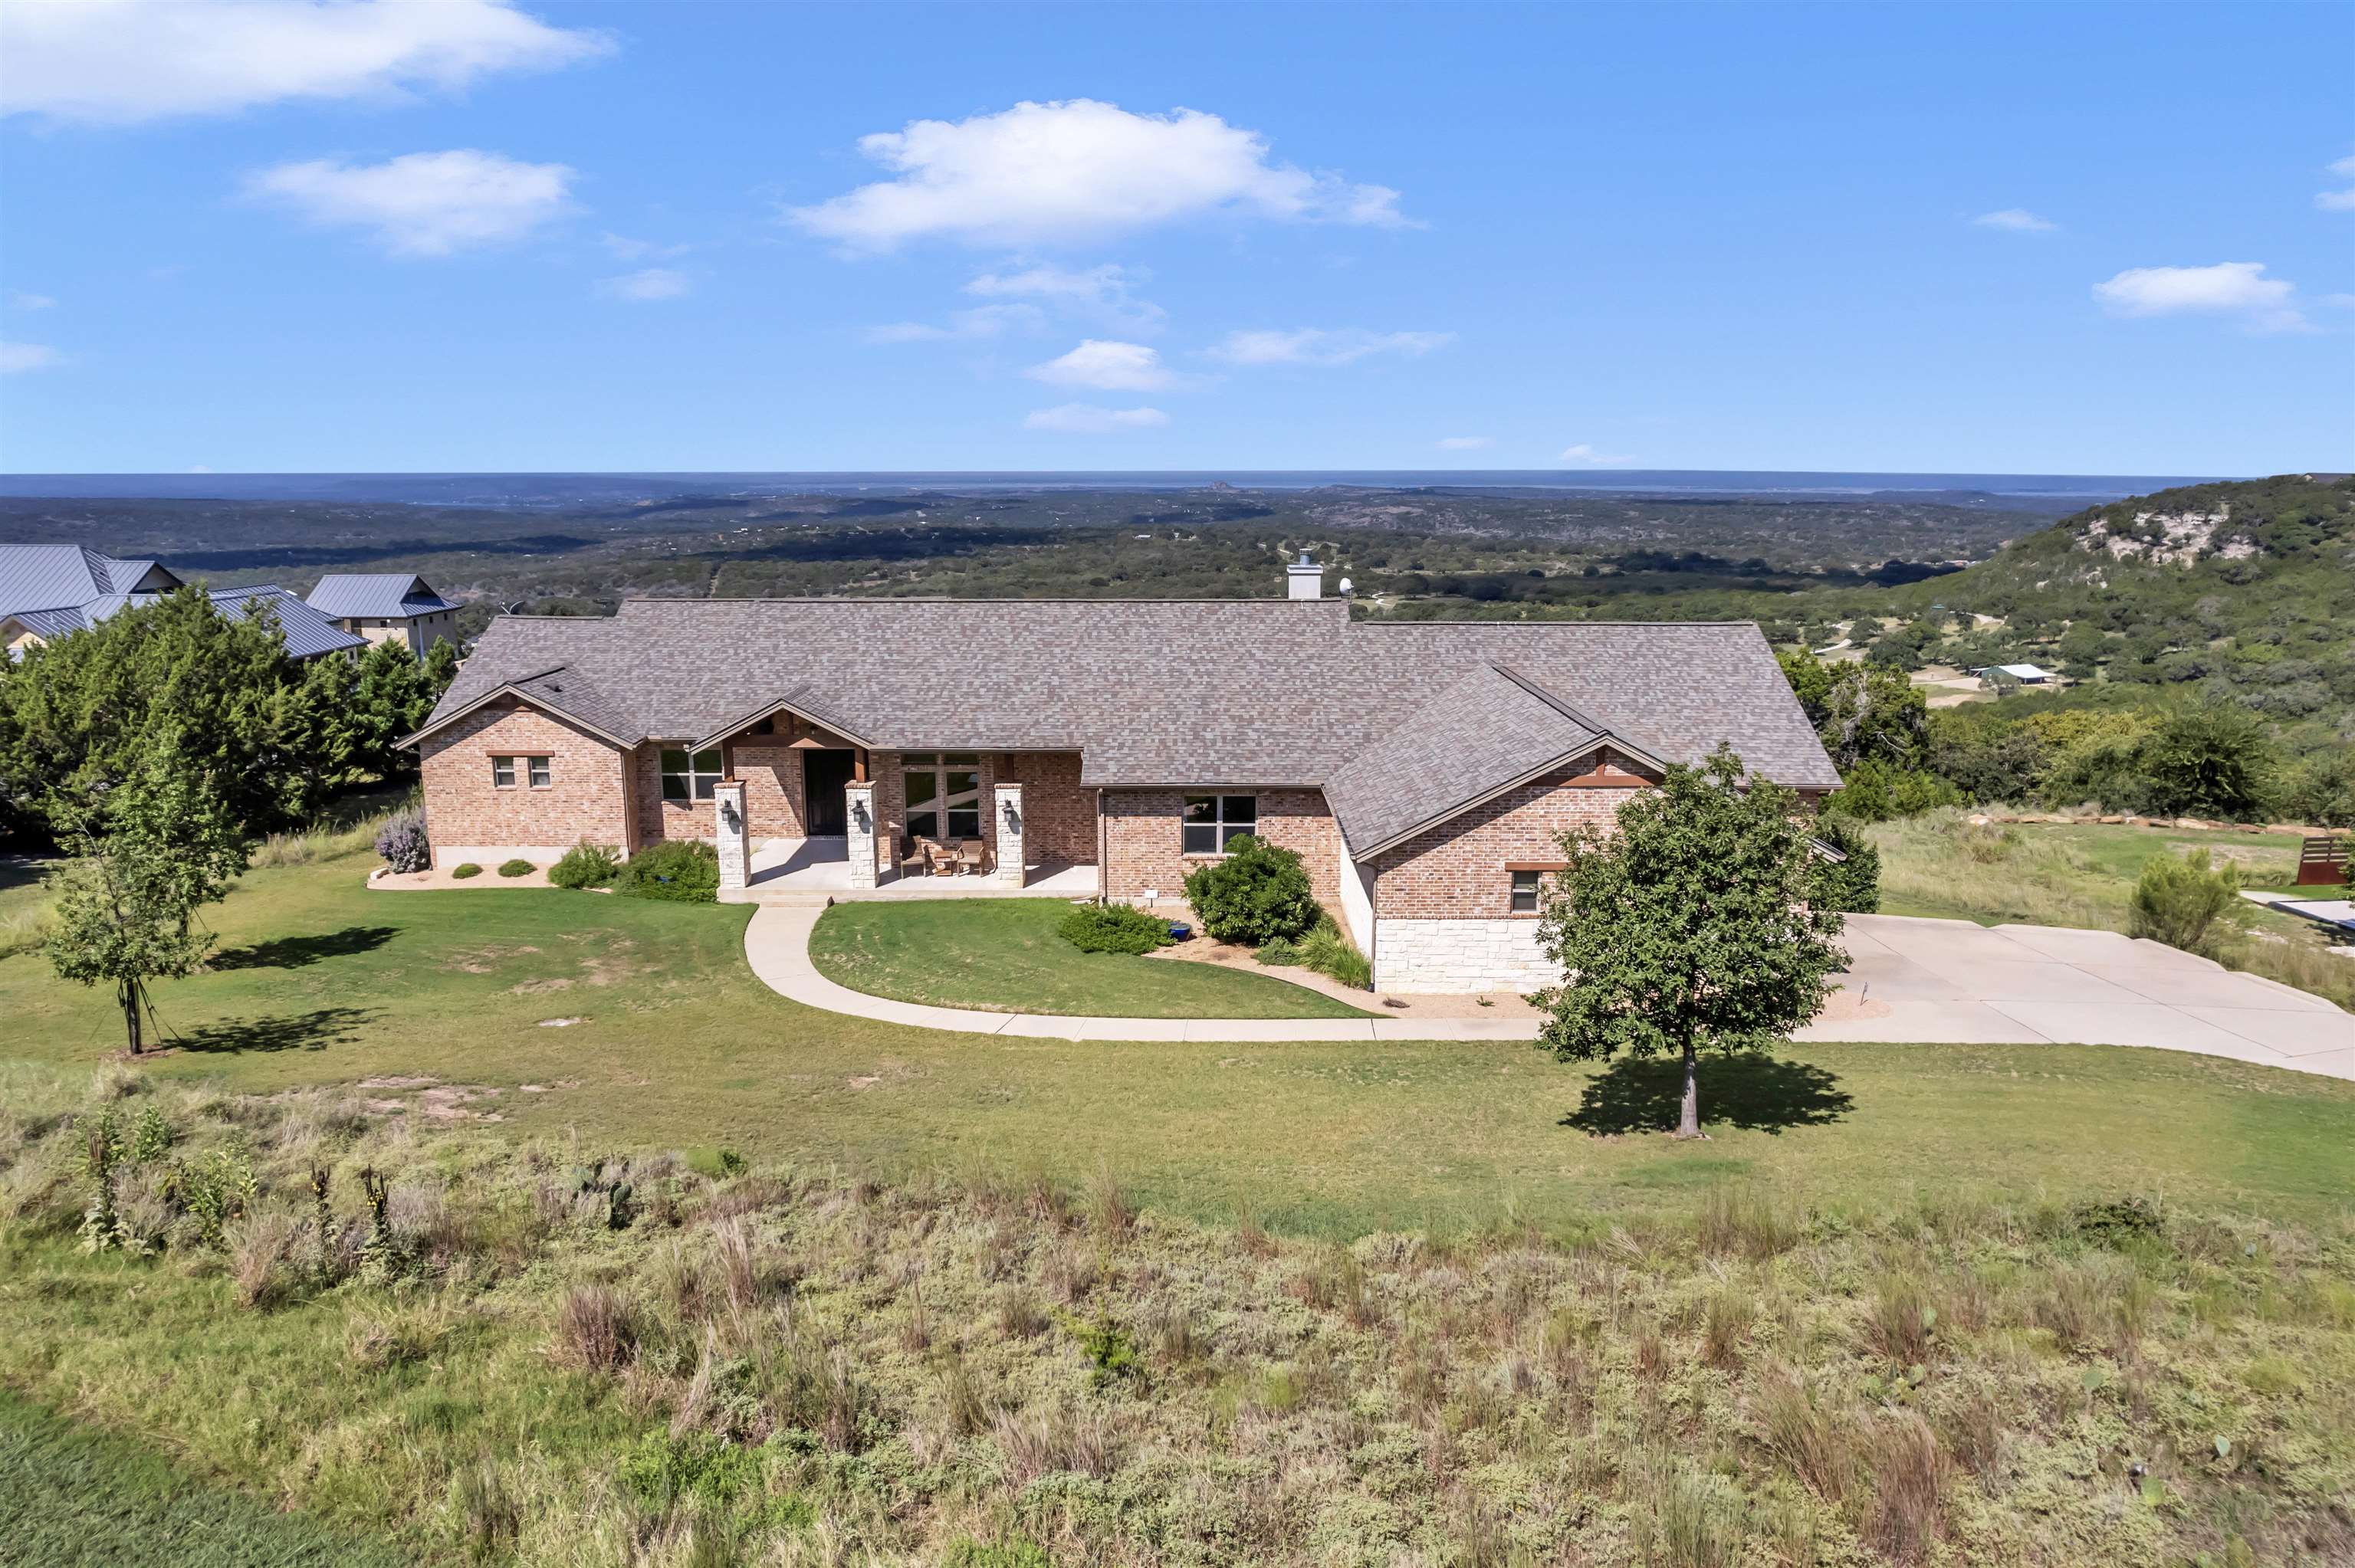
66	577
306	632
389	596
1387	717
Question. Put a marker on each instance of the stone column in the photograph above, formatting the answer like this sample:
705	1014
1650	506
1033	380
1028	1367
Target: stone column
1008	808
734	841
859	821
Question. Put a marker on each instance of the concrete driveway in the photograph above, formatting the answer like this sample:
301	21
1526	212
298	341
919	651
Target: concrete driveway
1950	981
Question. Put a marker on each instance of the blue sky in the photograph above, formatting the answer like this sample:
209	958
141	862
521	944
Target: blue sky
689	236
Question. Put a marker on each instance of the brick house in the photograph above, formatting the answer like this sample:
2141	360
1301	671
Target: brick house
1424	770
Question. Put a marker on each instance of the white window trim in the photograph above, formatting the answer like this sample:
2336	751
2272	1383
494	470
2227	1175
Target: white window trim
505	764
544	767
1218	824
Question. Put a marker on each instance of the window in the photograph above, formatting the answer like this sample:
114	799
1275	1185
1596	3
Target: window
943	794
503	772
538	773
1211	819
1525	892
690	775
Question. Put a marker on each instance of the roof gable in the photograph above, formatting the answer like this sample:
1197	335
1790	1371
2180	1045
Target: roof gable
387	596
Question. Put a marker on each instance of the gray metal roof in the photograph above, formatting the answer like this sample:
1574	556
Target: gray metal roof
63	577
306	632
1167	691
390	596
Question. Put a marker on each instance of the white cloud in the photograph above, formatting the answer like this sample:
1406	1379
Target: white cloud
1107	365
424	203
2229	288
24	301
648	283
625	248
1103	292
16	356
1583	453
1076	169
1087	419
2340	200
1316	346
121	61
2017	219
981	322
1465	443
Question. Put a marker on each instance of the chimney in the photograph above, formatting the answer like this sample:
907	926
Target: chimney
1306	579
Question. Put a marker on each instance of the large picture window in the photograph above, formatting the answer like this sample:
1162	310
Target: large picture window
943	794
690	775
1211	819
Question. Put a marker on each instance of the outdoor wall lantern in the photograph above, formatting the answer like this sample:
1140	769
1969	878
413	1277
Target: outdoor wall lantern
1013	818
858	815
735	819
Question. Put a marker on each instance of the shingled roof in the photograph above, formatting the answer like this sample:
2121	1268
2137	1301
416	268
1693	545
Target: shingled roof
1388	717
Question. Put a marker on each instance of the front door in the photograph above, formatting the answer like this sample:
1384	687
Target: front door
823	773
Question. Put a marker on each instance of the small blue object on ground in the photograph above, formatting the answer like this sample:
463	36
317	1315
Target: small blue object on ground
1180	932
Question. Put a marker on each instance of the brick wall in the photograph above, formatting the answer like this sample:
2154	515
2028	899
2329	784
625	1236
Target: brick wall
772	771
660	819
1058	817
587	795
1456	871
1144	847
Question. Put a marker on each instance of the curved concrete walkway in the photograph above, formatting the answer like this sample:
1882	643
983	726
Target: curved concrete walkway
1931	982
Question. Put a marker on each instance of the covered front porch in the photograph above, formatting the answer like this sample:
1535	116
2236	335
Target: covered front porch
792	868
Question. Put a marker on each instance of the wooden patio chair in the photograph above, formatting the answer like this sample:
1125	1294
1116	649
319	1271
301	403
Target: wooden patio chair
915	860
972	856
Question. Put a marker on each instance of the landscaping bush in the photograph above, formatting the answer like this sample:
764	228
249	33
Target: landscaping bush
518	866
1282	953
1876	792
1332	955
1853	886
1255	895
1115	928
683	873
402	841
585	865
2185	903
465	869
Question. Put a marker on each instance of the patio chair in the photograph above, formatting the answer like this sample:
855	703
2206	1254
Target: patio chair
914	858
972	855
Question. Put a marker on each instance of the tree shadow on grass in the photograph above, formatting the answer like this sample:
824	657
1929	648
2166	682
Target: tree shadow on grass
296	952
1753	1091
312	1031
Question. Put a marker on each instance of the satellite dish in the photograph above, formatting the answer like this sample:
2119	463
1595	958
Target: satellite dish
1348	587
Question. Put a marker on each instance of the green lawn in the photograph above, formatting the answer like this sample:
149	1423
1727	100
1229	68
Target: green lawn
1003	954
73	1498
323	982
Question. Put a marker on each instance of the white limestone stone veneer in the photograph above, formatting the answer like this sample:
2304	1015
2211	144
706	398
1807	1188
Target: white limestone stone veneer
1456	956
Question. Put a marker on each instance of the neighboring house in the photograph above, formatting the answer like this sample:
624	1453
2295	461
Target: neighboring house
2013	676
1424	770
48	590
387	607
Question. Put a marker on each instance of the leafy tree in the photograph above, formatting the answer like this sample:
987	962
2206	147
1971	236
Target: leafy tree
1851	885
2187	903
2214	760
1876	792
1859	711
1691	927
164	846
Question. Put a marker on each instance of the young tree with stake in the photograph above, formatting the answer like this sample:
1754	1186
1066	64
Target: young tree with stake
1690	929
154	850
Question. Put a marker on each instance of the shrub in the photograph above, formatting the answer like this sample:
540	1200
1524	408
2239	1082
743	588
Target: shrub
1332	955
1873	791
2185	901
585	865
402	841
465	870
1255	895
1852	886
518	866
682	873
1283	953
1115	928
595	1328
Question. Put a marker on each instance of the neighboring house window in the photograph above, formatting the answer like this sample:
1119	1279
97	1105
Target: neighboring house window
1528	887
540	775
1211	819
689	776
943	794
503	772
